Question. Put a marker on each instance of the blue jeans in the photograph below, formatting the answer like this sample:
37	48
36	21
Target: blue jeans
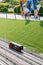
28	4
34	4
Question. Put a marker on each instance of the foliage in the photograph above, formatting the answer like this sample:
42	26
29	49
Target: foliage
3	7
41	11
14	4
17	9
10	10
41	2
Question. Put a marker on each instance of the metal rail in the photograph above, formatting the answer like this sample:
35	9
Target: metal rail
33	53
16	55
25	50
4	62
31	59
13	61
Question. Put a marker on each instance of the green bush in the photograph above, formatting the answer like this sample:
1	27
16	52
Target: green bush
17	9
10	10
40	11
3	7
16	2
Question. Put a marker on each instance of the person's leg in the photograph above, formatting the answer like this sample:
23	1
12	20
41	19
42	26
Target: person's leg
35	13
21	8
27	15
27	19
21	11
28	5
35	9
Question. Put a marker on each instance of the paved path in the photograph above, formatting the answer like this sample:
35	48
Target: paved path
16	16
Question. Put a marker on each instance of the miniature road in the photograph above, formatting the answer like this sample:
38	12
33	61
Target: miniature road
24	58
16	16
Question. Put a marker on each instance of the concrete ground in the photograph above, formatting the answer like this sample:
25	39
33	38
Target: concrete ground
16	16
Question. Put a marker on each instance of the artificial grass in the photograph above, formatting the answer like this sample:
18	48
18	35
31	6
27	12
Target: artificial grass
27	33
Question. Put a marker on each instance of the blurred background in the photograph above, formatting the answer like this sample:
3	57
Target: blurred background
13	6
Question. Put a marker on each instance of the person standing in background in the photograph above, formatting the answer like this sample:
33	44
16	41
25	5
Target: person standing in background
21	8
26	11
28	4
33	4
35	9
